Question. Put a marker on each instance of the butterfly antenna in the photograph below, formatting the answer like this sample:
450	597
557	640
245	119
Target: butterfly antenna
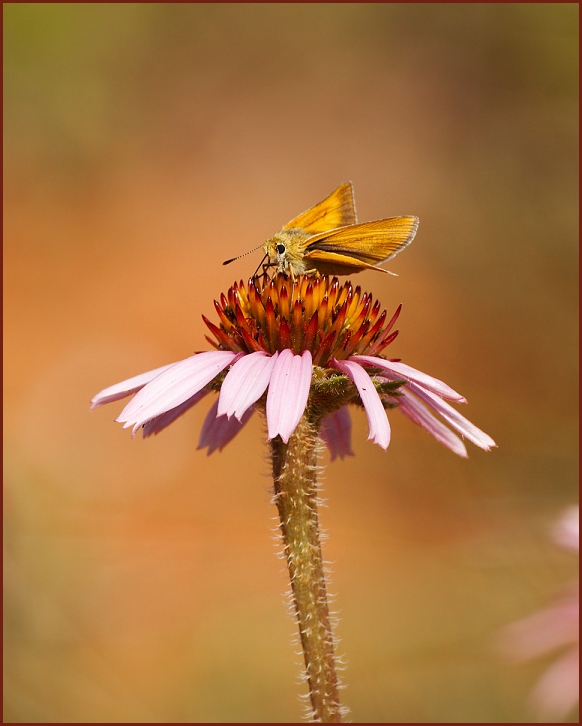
227	262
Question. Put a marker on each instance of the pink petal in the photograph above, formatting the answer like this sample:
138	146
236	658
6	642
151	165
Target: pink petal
377	419
401	371
417	412
245	383
155	425
543	631
558	690
126	388
454	418
175	385
288	393
567	531
217	431
336	431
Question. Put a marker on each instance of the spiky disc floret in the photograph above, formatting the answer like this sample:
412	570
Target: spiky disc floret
305	313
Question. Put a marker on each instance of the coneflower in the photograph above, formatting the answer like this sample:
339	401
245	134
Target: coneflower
299	352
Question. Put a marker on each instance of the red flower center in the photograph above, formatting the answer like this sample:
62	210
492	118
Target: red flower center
306	313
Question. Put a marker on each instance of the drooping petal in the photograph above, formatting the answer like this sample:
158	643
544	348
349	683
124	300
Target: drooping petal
126	388
245	383
175	385
377	419
544	631
558	690
288	393
401	371
336	431
217	431
454	418
566	531
155	425
417	412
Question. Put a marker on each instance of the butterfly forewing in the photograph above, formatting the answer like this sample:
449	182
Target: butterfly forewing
337	210
371	242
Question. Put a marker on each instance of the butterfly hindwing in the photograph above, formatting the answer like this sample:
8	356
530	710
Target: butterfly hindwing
335	263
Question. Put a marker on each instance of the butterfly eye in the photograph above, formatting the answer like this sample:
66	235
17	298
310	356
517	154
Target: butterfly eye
280	249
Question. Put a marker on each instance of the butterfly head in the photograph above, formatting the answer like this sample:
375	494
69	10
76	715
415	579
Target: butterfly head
285	252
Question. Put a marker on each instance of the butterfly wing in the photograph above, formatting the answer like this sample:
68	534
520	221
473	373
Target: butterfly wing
360	245
334	263
337	210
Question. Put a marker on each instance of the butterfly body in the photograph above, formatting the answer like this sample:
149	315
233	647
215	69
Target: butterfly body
326	239
286	251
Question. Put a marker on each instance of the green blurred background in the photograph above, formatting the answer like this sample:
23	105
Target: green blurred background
146	143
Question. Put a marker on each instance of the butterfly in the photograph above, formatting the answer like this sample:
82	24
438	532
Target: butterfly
326	239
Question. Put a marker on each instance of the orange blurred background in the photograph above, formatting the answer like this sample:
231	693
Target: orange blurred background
145	144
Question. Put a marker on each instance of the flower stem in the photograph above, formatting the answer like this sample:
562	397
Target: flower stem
295	478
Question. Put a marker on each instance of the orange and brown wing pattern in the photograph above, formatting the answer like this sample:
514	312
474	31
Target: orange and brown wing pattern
336	210
361	245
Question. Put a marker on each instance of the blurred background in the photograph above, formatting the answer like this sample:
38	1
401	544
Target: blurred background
146	143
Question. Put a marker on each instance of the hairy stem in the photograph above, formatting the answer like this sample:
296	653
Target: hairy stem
295	477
